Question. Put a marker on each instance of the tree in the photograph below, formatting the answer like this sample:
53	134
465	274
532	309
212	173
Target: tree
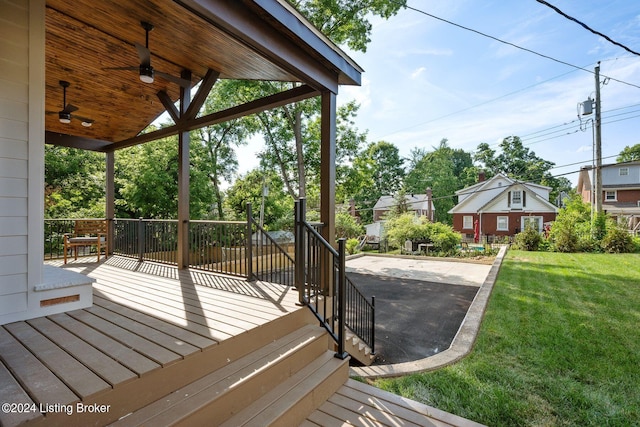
376	170
147	182
278	206
291	146
218	141
445	170
629	154
74	183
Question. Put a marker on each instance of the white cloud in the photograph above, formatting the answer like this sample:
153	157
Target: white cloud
417	72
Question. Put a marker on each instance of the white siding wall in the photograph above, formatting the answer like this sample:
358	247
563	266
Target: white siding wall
21	142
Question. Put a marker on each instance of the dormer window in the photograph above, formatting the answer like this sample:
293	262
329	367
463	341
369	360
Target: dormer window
516	197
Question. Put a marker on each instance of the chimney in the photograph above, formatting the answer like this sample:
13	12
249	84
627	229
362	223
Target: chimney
481	176
429	210
352	208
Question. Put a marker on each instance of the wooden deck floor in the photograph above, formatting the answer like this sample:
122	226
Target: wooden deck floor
146	317
154	329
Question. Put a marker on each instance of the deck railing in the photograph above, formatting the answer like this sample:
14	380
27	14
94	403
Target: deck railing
323	285
245	249
273	261
220	247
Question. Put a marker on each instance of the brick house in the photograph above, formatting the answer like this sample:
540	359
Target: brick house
501	206
620	190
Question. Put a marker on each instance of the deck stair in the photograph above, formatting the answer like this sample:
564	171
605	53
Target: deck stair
280	383
358	349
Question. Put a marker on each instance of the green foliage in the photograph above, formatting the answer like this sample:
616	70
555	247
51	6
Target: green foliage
377	170
445	170
629	154
74	183
528	240
571	231
347	227
147	182
407	226
517	161
617	240
351	245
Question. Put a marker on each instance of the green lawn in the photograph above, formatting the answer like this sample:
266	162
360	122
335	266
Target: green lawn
559	345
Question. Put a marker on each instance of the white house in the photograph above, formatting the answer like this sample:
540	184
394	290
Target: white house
502	206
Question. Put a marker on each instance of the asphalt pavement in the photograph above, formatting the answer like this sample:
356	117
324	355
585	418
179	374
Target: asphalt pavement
420	303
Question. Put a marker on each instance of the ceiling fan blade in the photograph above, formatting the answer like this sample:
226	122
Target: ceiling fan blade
122	68
70	108
144	54
178	80
50	112
84	119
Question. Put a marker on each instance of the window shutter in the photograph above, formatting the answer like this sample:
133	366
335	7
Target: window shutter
524	199
509	199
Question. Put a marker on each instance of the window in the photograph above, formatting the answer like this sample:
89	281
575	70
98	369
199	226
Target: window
516	197
532	221
624	171
467	221
503	223
610	196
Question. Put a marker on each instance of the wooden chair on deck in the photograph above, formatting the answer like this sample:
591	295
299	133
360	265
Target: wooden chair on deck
87	232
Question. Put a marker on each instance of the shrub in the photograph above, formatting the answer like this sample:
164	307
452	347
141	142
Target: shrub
352	246
347	226
636	244
409	227
565	239
528	240
617	239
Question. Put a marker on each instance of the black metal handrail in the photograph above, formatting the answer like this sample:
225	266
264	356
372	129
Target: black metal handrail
323	286
220	247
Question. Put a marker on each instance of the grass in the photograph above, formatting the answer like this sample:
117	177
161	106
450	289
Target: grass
559	346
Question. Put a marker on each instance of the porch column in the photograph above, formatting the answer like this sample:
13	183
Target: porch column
328	166
328	183
110	194
183	181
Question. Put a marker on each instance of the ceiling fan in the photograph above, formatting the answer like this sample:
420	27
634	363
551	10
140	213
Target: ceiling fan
65	115
147	72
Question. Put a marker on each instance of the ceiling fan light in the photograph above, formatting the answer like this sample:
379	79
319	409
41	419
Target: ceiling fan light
146	74
86	124
64	117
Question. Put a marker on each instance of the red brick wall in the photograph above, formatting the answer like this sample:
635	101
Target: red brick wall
624	196
489	222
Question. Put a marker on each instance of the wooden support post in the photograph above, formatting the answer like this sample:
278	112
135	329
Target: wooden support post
110	198
249	251
328	185
183	181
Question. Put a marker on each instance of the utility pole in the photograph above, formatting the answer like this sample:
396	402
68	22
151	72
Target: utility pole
598	171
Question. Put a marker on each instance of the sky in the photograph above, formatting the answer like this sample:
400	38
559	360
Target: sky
425	80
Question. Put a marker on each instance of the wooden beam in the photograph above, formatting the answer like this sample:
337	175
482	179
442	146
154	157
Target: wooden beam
298	93
71	141
169	105
183	180
328	166
197	102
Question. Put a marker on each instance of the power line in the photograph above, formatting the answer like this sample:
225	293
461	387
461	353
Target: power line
512	44
585	26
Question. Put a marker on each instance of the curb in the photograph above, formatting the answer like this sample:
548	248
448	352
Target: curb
461	345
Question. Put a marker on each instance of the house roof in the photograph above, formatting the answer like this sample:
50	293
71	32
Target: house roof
484	194
414	202
247	40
